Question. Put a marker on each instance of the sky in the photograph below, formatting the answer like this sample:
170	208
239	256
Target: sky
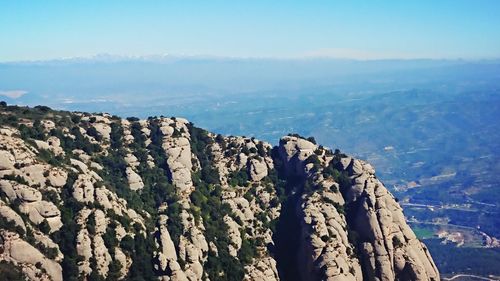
450	29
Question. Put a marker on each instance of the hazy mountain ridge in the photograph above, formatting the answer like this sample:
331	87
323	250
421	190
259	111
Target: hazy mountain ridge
103	197
180	76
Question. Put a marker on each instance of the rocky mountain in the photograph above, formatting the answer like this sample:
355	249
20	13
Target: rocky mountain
96	197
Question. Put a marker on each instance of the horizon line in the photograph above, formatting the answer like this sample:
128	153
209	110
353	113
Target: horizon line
108	57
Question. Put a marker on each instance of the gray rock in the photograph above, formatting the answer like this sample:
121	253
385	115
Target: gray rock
6	160
11	215
258	169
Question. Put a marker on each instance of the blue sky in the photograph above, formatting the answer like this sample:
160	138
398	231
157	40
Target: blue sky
33	30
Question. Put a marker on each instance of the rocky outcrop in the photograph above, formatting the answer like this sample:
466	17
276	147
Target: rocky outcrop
52	144
34	263
294	151
6	160
134	180
389	249
178	151
258	169
93	196
326	251
11	215
167	256
262	269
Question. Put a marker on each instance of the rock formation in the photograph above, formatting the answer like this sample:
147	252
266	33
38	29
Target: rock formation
97	197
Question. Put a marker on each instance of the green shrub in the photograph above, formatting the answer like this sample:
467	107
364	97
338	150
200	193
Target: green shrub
44	227
238	178
247	251
91	131
75	118
314	159
11	272
34	132
133	119
49	252
11	226
91	224
127	244
48	157
66	236
261	149
19	179
396	242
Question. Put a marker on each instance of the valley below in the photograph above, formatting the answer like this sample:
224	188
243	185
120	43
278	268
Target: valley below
432	133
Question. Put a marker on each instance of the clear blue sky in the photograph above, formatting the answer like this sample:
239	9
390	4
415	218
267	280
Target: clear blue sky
360	29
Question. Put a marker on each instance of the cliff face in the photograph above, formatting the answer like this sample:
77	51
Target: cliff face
351	227
103	198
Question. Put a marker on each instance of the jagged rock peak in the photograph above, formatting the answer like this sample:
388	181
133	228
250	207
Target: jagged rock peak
352	227
97	197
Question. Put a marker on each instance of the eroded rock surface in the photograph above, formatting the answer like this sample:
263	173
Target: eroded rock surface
92	196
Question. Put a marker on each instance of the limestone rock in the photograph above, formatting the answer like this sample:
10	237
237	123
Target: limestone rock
6	160
48	125
234	236
124	261
258	169
22	252
263	269
52	144
380	221
103	129
389	248
294	150
84	249
57	177
83	189
101	255
80	165
11	215
178	151
28	194
134	180
34	174
131	160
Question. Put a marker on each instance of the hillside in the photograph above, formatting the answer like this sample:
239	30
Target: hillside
97	197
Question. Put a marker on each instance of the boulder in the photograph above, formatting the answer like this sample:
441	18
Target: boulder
131	160
96	166
79	164
101	255
11	215
55	145
34	174
83	189
48	125
57	177
84	249
22	252
293	151
7	188
103	129
134	180
178	151
47	209
123	260
28	194
42	145
258	169
234	235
